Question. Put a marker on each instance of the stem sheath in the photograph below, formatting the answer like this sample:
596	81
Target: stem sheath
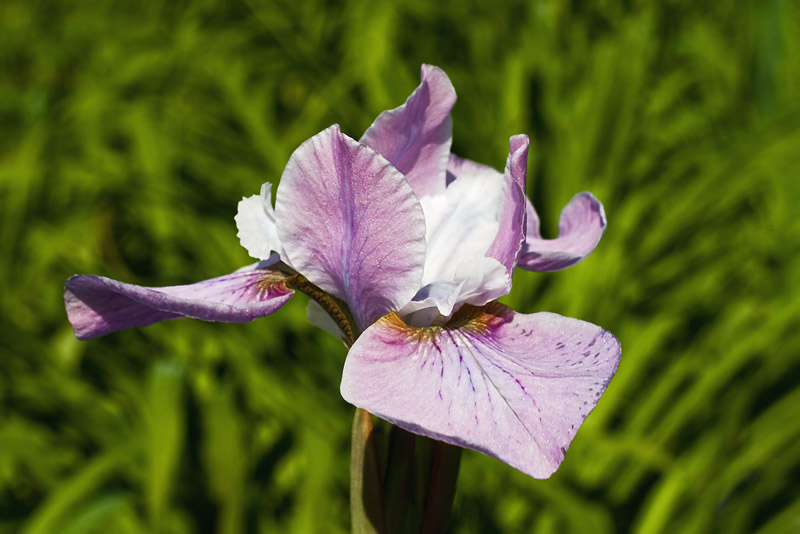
366	492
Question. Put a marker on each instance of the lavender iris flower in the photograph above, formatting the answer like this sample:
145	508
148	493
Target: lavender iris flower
416	244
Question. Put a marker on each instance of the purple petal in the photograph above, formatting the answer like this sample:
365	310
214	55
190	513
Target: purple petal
97	305
511	236
580	228
517	162
416	136
513	386
350	223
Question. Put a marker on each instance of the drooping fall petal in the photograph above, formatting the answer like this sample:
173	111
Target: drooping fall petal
97	305
416	136
580	227
350	223
512	386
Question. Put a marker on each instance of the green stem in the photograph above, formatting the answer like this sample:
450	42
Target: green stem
441	488
366	493
420	483
334	307
403	502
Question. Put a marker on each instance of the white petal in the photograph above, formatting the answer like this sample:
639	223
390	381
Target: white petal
461	226
461	223
483	280
432	301
477	281
256	223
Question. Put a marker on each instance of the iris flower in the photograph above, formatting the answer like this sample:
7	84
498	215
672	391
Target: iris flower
407	247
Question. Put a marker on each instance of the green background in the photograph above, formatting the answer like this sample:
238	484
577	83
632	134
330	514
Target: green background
130	130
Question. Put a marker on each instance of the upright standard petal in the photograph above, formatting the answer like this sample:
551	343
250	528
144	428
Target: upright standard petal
350	223
416	136
97	305
512	386
580	227
471	228
511	235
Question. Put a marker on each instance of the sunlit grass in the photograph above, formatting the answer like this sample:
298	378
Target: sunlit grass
130	131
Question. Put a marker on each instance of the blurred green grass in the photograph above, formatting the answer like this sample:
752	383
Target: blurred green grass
129	131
